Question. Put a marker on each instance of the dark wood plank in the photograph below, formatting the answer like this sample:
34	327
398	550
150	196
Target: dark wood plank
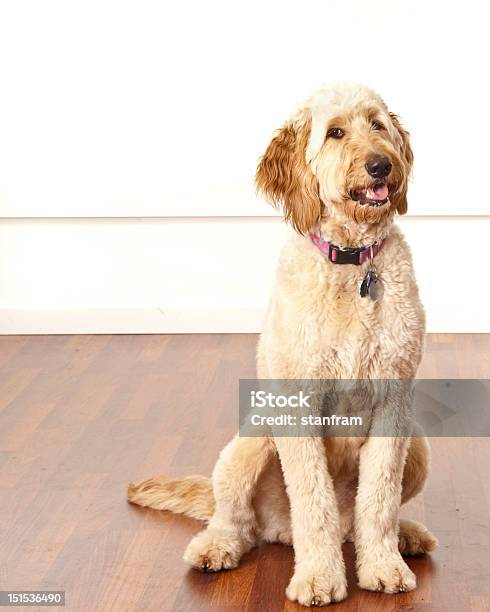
80	416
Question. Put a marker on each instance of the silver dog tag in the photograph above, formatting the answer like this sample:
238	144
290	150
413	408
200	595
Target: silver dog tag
376	289
372	284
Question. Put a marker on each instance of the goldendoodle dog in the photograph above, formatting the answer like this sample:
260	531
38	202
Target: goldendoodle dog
345	305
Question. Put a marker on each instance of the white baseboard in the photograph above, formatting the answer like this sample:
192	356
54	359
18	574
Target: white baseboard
187	321
114	271
130	321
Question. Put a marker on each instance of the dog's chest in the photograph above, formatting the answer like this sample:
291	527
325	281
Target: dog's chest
319	326
360	338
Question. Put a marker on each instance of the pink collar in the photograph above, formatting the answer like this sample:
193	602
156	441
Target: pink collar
335	254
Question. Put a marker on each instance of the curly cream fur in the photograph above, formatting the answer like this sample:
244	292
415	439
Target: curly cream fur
316	493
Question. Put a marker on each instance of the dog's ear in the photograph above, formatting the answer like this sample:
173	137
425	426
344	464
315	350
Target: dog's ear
407	154
286	180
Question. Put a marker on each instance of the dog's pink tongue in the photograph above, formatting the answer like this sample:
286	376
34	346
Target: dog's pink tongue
380	192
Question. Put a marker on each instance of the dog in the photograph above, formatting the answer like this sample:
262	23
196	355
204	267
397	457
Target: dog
339	169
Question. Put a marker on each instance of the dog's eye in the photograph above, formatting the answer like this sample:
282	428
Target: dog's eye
335	132
376	125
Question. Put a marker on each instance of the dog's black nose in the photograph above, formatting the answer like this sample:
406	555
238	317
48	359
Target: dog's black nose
378	166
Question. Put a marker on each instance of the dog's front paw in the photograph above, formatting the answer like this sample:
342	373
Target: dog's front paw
390	575
317	587
213	550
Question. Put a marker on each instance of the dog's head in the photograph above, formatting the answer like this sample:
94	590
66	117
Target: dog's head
342	154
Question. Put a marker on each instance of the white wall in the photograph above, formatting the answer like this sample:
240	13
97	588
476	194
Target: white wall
202	275
129	134
150	108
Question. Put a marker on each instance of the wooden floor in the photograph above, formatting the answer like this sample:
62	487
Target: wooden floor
82	415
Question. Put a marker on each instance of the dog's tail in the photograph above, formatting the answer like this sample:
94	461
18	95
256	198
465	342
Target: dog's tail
192	496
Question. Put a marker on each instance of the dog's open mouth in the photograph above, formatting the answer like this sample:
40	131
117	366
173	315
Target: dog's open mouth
376	195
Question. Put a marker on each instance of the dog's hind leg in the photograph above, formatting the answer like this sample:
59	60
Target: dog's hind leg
232	529
271	505
416	469
414	538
